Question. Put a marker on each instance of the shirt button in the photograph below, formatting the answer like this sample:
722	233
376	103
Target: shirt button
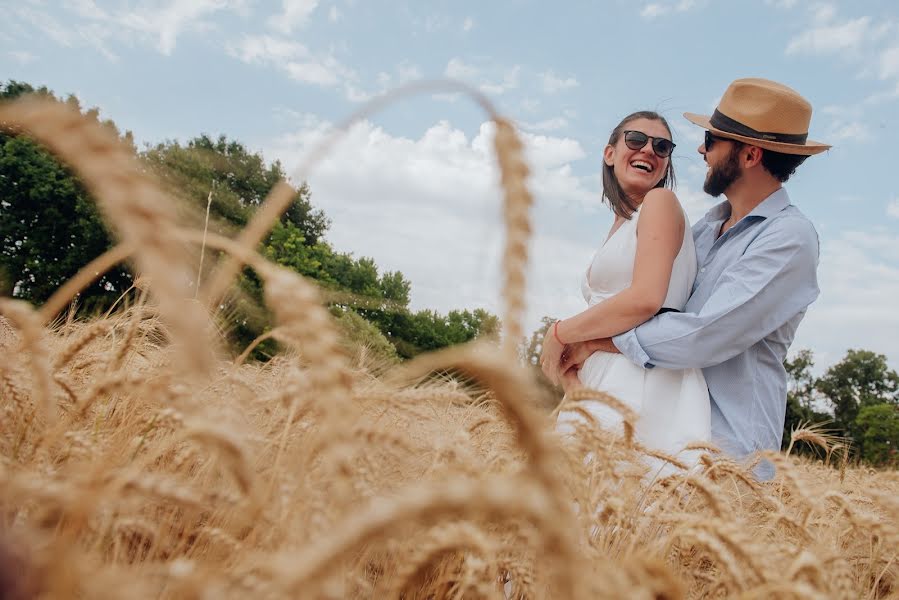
702	270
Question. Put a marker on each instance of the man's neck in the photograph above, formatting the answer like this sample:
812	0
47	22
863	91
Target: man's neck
746	193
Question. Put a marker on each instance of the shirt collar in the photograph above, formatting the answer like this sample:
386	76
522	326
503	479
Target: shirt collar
768	207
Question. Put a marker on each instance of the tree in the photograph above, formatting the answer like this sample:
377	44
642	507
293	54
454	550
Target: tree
801	395
238	179
878	425
861	379
50	226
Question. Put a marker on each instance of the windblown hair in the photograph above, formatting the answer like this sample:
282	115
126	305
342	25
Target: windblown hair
612	191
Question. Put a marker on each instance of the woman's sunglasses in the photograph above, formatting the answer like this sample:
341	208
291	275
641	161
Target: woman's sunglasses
637	139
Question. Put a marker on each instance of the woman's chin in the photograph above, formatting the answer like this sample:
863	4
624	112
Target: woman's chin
637	189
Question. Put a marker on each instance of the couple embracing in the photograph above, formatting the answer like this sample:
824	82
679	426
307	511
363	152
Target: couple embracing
690	327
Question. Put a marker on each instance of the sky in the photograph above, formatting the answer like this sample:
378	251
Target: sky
415	185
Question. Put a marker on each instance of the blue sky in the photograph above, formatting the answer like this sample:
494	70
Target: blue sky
414	186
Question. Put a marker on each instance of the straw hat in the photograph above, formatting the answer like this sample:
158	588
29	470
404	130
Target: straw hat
763	113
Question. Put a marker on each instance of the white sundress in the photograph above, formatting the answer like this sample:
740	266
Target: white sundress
673	405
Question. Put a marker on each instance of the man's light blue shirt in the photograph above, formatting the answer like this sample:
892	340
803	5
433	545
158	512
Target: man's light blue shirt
752	289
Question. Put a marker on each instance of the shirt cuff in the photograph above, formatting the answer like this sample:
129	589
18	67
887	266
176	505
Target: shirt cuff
628	344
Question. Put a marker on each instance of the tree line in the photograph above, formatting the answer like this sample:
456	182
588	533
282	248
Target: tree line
857	400
50	227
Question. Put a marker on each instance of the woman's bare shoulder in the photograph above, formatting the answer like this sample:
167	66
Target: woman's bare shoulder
660	201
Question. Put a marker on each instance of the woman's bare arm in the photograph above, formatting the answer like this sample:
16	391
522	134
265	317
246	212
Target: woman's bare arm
660	234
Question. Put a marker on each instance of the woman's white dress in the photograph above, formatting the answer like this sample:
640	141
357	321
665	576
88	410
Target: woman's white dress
673	405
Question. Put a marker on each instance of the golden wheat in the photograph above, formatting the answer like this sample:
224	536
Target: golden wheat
137	460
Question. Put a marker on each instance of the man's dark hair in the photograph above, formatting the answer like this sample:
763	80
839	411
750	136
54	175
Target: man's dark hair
781	165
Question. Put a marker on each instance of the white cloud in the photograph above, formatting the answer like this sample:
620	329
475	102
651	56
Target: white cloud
853	131
165	22
889	63
434	23
158	23
829	39
495	83
458	69
696	203
553	83
404	72
509	82
787	4
439	194
294	13
650	11
467	24
334	14
859	280
552	124
87	9
299	63
823	13
893	208
23	57
267	49
658	9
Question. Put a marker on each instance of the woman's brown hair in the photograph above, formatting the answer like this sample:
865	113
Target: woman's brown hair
621	204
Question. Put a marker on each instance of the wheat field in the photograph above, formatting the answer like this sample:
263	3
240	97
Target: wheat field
139	460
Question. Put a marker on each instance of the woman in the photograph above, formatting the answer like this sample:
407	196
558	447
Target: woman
646	265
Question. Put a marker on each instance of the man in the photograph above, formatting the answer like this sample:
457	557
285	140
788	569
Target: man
757	256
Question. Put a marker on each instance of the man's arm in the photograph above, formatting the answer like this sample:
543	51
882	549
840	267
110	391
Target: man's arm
774	280
575	354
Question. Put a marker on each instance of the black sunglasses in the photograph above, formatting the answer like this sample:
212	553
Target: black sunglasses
710	139
637	139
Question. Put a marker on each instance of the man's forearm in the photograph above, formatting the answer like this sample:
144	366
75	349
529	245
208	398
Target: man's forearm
603	345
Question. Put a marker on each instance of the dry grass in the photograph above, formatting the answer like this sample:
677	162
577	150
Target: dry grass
138	461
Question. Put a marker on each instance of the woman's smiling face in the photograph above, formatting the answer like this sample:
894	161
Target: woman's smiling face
638	171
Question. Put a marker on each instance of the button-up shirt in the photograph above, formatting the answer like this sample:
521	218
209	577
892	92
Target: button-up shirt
752	289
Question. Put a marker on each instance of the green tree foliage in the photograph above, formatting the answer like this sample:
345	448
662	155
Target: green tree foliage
878	426
801	396
49	225
414	333
861	379
238	179
864	394
361	337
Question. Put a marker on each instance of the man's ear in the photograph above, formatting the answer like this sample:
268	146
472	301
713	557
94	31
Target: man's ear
608	155
753	156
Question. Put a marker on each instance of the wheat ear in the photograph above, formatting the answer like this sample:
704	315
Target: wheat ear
28	322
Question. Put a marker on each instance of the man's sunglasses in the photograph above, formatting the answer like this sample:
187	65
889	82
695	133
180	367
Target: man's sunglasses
710	139
637	139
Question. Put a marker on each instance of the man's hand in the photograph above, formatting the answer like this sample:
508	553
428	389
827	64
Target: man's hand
575	354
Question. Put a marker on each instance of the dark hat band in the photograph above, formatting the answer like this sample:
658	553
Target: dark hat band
724	123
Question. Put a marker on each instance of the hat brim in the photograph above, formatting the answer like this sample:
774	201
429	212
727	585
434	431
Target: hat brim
809	148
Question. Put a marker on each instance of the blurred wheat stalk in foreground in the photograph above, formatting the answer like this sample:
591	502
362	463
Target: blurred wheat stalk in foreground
136	460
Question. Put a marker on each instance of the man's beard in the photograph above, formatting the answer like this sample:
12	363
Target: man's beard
722	176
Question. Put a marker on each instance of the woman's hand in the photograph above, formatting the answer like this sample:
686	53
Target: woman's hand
570	379
551	357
